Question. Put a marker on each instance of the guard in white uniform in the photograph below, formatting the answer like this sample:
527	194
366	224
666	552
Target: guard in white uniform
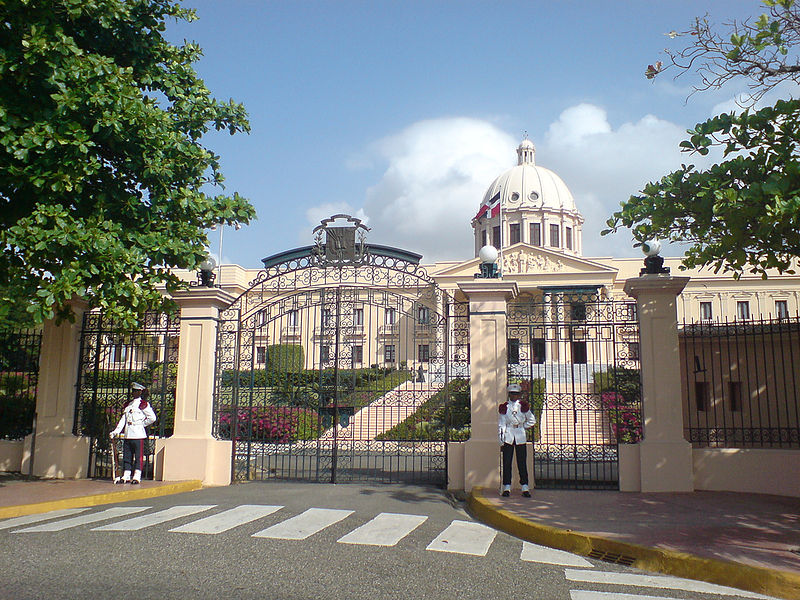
136	415
515	418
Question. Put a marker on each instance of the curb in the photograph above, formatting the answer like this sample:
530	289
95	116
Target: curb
21	510
772	582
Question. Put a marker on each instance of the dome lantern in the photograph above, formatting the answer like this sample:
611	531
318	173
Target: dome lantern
525	153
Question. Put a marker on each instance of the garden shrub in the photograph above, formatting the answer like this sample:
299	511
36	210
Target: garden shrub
17	405
278	424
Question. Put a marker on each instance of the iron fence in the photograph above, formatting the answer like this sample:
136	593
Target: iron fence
19	374
740	383
112	357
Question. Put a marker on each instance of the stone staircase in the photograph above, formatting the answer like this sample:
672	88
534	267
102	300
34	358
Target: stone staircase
574	418
384	413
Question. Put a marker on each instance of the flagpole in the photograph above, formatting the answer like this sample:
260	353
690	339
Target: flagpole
500	249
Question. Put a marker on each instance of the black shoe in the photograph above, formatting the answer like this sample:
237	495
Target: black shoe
505	494
526	493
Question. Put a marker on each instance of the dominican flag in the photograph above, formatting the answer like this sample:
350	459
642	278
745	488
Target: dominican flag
491	208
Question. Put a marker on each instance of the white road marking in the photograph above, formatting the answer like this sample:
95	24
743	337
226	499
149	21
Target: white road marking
588	595
136	523
541	554
464	537
305	524
110	513
657	581
28	519
384	530
228	519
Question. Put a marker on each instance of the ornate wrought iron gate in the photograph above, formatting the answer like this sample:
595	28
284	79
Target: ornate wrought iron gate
342	362
110	359
577	354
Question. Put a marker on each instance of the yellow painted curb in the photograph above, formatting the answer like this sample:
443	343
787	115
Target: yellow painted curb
772	582
179	487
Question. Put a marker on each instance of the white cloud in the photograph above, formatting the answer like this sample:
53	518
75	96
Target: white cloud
437	172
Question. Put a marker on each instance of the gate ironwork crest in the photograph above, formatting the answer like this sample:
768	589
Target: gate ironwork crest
343	361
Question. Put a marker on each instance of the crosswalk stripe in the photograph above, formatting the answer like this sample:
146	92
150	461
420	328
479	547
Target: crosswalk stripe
110	513
28	519
591	595
384	530
228	519
136	523
305	524
657	581
464	537
541	554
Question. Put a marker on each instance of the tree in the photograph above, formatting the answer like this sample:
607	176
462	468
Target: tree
102	173
742	214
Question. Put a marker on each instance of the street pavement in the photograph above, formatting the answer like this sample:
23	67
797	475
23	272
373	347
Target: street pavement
294	540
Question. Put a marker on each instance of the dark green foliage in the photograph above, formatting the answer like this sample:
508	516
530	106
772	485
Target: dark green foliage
17	405
285	358
103	179
625	382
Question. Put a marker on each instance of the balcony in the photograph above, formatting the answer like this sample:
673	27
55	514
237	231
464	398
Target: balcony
392	330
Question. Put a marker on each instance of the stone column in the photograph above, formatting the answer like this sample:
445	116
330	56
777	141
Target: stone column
664	456
192	452
488	375
57	452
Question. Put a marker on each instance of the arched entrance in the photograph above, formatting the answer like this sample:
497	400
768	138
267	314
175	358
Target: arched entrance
343	361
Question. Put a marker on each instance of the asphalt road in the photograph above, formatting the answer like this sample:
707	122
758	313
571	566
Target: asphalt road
154	562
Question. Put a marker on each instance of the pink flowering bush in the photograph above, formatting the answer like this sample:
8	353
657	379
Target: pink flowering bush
626	420
279	424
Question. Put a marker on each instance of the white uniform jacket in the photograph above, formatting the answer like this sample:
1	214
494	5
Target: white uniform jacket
137	415
515	418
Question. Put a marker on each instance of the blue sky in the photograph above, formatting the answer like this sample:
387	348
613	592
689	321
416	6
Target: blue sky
404	112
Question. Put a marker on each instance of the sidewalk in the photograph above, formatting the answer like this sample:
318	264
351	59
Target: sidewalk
747	541
21	495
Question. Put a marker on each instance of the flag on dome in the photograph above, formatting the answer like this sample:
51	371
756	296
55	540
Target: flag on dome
491	208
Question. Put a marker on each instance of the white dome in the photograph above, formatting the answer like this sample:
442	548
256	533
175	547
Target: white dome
529	186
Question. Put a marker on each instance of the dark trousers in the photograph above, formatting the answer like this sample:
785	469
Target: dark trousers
132	455
522	463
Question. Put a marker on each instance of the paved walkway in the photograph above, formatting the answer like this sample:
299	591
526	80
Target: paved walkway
749	541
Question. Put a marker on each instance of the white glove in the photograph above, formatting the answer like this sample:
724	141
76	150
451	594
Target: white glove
113	434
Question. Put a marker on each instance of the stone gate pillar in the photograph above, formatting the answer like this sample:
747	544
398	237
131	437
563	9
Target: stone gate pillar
662	462
488	364
192	452
53	449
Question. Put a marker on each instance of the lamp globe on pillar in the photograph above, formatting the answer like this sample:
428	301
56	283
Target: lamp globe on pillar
206	276
488	255
654	262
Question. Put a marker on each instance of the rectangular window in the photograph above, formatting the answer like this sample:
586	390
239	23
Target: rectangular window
554	241
568	238
735	396
120	353
292	317
701	395
261	319
782	309
357	354
513	351
389	353
423	315
578	311
261	355
324	354
743	310
633	350
423	353
536	234
484	238
706	313
514	232
538	351
327	317
390	317
496	237
358	317
578	353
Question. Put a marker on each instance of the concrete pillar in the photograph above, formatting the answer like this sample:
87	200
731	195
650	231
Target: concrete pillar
57	452
192	452
488	372
665	457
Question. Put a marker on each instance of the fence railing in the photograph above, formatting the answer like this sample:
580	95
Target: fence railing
19	374
741	385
